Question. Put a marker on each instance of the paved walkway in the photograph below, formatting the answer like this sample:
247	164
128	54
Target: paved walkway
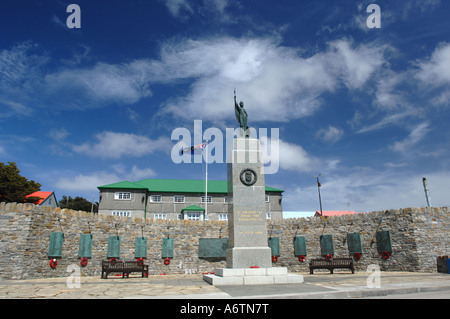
317	286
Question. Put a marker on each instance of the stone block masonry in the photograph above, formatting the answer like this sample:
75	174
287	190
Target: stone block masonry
417	235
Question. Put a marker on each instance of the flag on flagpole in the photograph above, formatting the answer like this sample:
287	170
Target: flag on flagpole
192	149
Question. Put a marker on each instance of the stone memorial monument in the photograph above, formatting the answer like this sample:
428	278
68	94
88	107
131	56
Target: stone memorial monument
249	259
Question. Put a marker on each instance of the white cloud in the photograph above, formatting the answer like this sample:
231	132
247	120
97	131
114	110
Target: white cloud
209	9
388	120
443	99
20	63
58	134
354	65
57	21
435	71
388	96
90	182
275	82
331	135
124	83
288	156
116	145
419	6
175	6
294	158
416	135
362	190
14	109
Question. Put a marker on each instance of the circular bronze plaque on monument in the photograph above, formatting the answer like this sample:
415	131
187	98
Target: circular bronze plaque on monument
248	177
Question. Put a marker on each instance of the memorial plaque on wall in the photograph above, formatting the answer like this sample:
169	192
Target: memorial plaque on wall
212	247
56	244
384	241
274	244
354	243
167	248
140	247
299	246
85	246
326	245
113	247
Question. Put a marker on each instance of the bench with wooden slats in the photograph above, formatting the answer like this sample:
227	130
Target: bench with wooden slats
331	264
124	267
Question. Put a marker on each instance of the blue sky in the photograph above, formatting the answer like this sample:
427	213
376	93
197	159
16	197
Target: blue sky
366	108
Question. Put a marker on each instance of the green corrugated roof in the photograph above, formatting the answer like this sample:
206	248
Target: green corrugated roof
193	208
124	184
178	186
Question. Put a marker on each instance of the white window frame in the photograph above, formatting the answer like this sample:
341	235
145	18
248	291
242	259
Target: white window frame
160	216
268	215
178	198
155	199
204	199
193	216
121	213
122	196
226	199
267	198
223	216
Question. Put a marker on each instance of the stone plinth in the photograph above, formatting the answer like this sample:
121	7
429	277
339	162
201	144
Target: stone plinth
249	259
247	209
251	276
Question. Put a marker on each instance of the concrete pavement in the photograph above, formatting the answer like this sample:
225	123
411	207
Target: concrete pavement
341	285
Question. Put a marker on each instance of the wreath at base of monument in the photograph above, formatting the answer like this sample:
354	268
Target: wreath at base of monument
53	263
357	256
84	261
385	254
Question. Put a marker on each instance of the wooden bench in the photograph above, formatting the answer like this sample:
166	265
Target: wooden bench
124	267
331	264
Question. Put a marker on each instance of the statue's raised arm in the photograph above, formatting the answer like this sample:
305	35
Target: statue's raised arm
241	116
236	107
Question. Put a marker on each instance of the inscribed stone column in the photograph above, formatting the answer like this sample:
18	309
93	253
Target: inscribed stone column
247	211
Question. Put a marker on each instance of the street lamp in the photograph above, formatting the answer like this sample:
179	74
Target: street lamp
318	188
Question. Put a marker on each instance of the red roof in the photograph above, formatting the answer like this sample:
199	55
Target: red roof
42	195
335	212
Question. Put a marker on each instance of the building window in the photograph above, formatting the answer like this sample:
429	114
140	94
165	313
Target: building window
178	199
206	199
160	216
155	199
226	199
268	215
193	216
267	198
223	216
121	214
122	196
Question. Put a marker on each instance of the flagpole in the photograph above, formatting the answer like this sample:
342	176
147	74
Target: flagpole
206	182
